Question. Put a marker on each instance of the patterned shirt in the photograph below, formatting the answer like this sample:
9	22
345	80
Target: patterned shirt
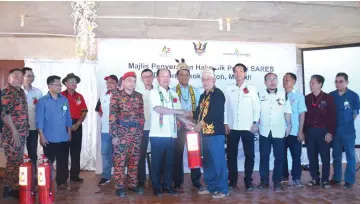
211	111
13	102
126	114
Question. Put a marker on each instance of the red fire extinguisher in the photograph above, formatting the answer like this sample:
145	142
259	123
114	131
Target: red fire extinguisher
45	182
194	150
26	182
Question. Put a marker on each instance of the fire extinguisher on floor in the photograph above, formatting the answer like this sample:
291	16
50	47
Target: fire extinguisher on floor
194	149
26	182
45	182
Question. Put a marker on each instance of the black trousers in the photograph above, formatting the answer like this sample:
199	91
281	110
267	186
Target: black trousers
75	150
178	171
232	154
60	153
32	147
143	152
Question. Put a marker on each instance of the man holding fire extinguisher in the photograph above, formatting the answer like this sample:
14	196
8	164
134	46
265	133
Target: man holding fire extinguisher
189	97
210	117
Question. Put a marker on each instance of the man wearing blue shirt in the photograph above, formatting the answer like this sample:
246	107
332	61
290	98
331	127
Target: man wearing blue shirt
189	97
53	122
294	140
347	107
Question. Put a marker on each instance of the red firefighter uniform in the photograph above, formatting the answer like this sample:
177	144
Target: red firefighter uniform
13	102
126	121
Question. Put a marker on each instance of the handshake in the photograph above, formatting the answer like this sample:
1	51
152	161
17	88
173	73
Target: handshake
186	117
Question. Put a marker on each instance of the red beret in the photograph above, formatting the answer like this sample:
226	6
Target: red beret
129	74
115	78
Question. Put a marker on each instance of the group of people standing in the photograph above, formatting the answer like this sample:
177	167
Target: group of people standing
284	118
55	119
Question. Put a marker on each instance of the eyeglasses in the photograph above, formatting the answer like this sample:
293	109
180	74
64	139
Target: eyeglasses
58	85
30	76
339	82
271	79
72	82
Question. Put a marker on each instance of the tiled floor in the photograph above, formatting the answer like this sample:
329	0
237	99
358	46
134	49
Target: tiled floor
89	193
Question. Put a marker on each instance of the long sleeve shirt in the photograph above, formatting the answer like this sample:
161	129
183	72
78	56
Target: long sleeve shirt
126	114
321	112
211	111
53	117
242	107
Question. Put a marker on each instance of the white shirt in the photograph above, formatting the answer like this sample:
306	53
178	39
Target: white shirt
105	104
169	128
241	109
145	94
31	95
273	109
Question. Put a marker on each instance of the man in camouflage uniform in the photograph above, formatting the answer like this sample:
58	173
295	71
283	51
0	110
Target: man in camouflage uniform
126	121
15	130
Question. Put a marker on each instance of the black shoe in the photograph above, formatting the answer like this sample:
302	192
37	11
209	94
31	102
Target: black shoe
249	186
120	193
334	182
263	185
6	192
278	188
347	185
157	192
313	183
141	184
170	191
197	186
103	181
137	190
326	184
78	179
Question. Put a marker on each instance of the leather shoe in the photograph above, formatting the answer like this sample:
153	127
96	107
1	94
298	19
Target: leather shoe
157	192
77	179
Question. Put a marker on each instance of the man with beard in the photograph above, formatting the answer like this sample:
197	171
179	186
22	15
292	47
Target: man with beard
126	127
210	117
78	110
15	130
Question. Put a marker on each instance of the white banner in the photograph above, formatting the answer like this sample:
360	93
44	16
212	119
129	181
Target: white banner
117	56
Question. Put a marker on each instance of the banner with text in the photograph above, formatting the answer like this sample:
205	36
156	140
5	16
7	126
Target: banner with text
117	56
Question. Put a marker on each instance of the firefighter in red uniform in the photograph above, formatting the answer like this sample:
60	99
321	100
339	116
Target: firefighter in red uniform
126	121
78	112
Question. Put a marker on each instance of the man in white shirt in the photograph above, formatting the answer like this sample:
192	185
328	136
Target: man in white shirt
275	112
241	115
147	79
164	104
102	108
33	94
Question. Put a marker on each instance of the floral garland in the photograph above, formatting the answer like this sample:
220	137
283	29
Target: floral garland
162	99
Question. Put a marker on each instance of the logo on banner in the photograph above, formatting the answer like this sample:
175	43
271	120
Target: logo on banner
237	53
165	52
200	48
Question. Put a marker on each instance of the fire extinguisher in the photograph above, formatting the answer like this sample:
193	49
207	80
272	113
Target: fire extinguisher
26	182
194	149
45	182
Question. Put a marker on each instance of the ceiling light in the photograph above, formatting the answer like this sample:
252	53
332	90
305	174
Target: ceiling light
228	24
220	21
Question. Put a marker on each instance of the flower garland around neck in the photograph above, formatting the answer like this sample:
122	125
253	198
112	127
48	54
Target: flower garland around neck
163	99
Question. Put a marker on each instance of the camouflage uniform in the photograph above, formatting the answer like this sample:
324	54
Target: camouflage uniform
126	123
13	102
